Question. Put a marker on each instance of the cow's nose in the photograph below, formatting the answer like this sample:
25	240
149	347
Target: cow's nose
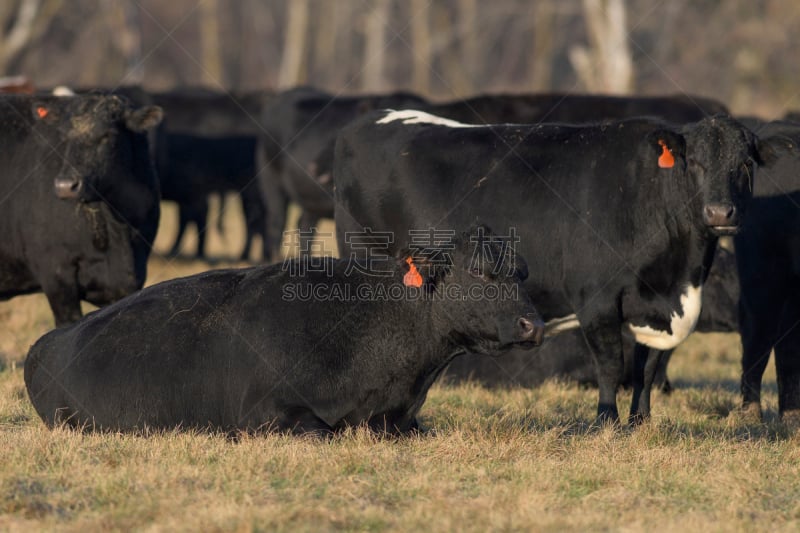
531	330
719	214
67	188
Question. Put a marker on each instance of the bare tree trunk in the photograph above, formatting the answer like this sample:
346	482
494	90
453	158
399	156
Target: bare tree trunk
209	42
19	32
470	51
450	60
607	64
292	70
541	68
126	37
326	39
421	39
375	45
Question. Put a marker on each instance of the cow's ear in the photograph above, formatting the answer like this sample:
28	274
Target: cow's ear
43	112
668	148
144	118
767	151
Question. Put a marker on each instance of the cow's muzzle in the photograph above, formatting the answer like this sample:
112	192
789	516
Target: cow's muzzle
722	218
68	188
531	330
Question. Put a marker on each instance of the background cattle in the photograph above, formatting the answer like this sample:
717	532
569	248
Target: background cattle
620	220
566	355
574	108
299	125
201	118
237	350
192	167
768	257
80	199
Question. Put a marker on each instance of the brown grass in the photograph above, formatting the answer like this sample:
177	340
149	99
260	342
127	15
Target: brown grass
492	460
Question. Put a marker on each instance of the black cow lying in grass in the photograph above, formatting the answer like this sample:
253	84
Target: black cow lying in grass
566	356
246	349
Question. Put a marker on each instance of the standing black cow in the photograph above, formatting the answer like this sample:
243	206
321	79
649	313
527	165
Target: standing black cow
768	257
80	199
620	219
298	125
574	108
555	107
192	167
237	349
201	111
201	117
566	356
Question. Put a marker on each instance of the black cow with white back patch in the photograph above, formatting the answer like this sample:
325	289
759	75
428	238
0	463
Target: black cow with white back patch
574	108
80	199
298	126
768	257
253	349
620	220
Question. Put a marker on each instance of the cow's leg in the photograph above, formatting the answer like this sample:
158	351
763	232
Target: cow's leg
253	219
303	421
276	204
308	231
64	299
200	218
183	221
757	331
602	333
662	379
787	365
645	365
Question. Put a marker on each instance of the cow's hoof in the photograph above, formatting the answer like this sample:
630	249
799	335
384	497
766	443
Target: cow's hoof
606	419
637	419
747	414
791	419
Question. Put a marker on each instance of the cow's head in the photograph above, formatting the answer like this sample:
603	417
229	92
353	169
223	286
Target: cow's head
717	157
100	154
93	135
475	282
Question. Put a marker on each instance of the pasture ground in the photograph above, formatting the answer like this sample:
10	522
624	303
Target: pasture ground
492	460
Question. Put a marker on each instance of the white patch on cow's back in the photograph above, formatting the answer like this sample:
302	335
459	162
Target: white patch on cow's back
414	116
63	90
682	324
560	325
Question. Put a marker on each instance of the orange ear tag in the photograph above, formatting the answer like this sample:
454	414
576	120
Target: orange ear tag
42	111
412	277
666	159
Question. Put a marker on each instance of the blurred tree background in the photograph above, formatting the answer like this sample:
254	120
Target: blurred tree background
742	52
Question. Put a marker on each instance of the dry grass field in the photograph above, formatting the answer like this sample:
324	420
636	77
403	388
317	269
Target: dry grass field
504	460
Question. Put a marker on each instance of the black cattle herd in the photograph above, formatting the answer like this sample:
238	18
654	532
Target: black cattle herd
610	227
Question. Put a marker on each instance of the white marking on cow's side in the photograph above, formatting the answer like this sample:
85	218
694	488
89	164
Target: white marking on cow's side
560	325
414	116
682	324
63	90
